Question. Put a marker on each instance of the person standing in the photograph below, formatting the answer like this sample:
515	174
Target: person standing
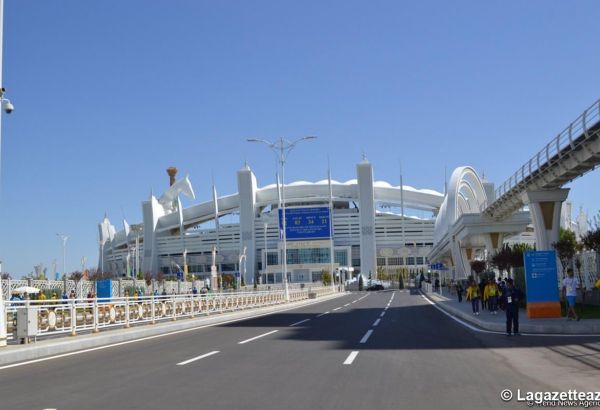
473	295
511	298
569	289
491	296
459	291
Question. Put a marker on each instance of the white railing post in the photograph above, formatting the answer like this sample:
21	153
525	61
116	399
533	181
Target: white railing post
173	308
95	314
126	312
73	318
152	304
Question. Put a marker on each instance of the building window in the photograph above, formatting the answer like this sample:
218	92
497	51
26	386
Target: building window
420	260
394	261
341	258
410	260
380	261
356	262
272	258
229	267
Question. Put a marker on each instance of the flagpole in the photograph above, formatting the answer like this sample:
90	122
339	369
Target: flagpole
331	250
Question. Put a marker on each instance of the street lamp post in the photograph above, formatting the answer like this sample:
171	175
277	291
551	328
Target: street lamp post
266	267
64	239
282	149
5	103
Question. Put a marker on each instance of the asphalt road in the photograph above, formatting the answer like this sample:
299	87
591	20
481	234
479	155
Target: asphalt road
359	355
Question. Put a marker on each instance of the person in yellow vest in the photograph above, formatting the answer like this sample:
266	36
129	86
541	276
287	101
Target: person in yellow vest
490	295
597	284
42	296
474	296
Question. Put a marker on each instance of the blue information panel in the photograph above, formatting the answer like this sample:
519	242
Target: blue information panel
541	276
306	223
104	288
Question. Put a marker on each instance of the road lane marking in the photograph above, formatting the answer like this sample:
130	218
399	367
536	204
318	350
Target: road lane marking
141	339
347	304
382	314
337	308
257	337
354	301
366	336
297	323
385	308
376	322
193	359
323	314
351	357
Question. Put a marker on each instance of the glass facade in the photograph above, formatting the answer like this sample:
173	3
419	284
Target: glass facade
341	257
308	255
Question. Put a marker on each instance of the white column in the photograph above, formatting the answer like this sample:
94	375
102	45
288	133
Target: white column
247	197
545	209
366	198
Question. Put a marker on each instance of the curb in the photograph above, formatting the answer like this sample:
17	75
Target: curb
547	328
50	347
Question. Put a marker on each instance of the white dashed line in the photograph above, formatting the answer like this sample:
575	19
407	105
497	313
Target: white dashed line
297	323
257	337
323	314
382	314
347	304
376	322
351	357
366	336
337	308
197	358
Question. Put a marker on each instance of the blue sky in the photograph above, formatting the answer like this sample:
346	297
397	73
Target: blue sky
108	94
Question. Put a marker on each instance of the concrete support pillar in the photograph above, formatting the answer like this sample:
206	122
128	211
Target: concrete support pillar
545	209
366	198
151	210
493	242
247	195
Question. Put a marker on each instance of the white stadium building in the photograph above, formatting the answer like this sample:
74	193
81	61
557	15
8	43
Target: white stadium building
369	229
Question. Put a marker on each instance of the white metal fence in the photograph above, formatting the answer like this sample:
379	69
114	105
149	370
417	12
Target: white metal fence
73	316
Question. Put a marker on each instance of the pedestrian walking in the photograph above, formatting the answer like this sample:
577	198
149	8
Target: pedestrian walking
511	298
459	292
491	294
473	295
569	289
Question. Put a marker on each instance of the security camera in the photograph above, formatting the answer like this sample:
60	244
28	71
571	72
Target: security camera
8	107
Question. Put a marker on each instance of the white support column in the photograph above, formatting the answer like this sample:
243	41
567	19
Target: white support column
247	196
366	198
545	209
152	210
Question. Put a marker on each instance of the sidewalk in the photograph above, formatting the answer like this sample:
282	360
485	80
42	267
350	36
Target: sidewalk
65	345
497	322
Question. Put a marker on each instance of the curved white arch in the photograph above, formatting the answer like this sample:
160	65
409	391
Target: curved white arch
465	195
302	191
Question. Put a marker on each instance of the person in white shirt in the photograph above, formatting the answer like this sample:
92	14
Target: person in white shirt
569	289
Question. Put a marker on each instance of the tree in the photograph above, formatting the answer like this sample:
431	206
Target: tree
478	266
565	248
591	241
325	277
361	285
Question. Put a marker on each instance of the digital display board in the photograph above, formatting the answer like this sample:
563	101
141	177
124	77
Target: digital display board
306	223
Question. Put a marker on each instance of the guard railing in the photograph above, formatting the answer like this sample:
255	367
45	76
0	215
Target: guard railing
30	320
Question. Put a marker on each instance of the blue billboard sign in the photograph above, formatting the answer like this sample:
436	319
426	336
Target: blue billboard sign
306	223
541	276
104	289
